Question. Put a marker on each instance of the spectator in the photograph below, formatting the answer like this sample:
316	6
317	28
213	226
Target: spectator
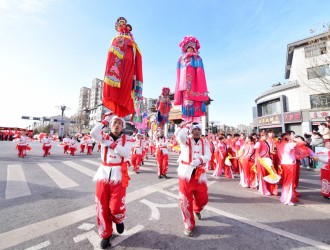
317	140
324	131
327	121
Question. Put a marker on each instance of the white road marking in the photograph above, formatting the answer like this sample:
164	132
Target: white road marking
86	226
60	179
39	246
283	233
155	214
16	183
126	235
91	236
315	182
80	168
32	231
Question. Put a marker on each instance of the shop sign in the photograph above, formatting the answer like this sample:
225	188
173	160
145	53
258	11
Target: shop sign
292	117
269	120
319	114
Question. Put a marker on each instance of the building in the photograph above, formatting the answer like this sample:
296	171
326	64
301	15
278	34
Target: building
84	98
303	101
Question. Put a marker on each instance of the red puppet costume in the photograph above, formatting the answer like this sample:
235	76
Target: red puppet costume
163	106
161	153
191	89
193	192
111	177
137	148
123	74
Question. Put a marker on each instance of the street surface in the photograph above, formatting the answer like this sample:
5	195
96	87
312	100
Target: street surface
48	203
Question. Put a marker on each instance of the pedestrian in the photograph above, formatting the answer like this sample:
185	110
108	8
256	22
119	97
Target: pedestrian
193	192
111	177
161	143
324	131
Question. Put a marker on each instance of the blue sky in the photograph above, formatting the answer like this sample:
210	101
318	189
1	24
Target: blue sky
49	49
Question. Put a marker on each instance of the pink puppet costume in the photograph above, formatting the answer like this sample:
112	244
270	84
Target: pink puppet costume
191	89
163	107
123	74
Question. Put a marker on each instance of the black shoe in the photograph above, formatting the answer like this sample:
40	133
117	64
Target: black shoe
165	176
105	243
120	228
159	177
142	163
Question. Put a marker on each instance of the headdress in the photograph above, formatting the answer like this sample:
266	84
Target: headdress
189	41
120	118
118	21
165	91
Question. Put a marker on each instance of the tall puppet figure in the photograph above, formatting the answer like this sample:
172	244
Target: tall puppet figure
123	74
163	107
191	90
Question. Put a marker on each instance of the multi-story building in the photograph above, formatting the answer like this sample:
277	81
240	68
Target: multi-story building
303	101
84	98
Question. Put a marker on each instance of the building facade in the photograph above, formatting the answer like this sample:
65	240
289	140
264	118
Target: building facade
303	101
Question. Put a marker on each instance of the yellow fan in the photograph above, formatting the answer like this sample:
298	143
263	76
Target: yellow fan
273	177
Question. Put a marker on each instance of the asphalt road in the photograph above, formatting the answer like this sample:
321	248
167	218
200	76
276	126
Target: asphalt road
48	203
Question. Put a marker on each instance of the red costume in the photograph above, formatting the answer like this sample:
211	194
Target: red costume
123	74
111	179
195	153
137	149
161	153
262	152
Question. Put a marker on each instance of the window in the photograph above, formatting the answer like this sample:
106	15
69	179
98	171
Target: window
315	50
318	71
320	101
271	108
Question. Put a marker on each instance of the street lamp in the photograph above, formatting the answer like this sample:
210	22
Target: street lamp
212	122
63	108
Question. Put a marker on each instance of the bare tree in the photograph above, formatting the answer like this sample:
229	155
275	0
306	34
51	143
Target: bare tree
317	54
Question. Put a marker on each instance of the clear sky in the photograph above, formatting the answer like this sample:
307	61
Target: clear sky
49	49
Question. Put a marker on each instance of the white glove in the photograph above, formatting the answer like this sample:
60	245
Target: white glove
195	163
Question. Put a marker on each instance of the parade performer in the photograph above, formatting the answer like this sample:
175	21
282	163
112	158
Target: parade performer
152	147
248	177
286	151
163	107
195	153
137	148
89	143
123	78
191	89
83	143
262	160
47	144
22	144
66	142
221	154
72	146
111	177
161	143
